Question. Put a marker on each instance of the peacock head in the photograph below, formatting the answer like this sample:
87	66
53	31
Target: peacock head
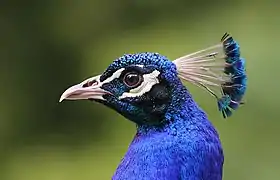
142	86
138	86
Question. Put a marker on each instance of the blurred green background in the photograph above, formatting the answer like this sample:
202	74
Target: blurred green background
46	46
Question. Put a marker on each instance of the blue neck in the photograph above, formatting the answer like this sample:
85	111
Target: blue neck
184	146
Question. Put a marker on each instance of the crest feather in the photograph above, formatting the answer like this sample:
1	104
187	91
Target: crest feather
219	70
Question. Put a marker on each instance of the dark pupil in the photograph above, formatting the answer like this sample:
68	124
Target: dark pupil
132	79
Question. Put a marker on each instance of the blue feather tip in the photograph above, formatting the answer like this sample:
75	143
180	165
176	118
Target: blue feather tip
234	89
219	70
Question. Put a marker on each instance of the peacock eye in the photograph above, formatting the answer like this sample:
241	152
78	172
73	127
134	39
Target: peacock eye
132	79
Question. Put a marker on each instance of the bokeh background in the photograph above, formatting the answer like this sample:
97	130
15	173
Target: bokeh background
46	46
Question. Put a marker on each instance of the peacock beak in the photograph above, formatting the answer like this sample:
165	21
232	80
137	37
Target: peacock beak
88	89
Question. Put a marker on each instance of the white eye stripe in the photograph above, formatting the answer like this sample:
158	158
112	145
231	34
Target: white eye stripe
149	81
115	75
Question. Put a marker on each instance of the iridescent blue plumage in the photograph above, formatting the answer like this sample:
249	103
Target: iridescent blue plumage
174	138
233	90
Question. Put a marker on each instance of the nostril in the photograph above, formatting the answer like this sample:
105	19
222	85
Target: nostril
90	83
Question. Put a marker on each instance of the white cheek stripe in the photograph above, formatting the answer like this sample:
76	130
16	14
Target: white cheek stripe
149	81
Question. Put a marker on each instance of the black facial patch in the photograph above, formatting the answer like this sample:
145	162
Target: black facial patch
155	102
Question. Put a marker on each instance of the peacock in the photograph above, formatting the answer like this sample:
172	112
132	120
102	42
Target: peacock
174	139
